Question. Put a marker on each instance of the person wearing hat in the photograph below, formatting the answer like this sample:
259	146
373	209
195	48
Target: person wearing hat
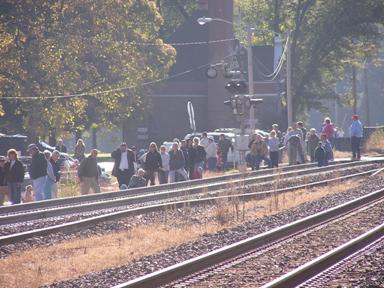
89	174
3	181
356	132
37	170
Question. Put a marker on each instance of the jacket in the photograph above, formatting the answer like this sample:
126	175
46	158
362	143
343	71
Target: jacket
259	148
153	161
116	155
14	174
61	148
88	168
38	166
176	160
356	129
320	155
211	150
328	130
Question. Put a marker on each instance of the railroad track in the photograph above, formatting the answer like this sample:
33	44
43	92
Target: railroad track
74	226
243	260
314	273
156	192
52	208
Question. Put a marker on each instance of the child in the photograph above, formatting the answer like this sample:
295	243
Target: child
273	143
28	195
320	154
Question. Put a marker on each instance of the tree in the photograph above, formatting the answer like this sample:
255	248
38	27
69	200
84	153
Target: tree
66	47
326	34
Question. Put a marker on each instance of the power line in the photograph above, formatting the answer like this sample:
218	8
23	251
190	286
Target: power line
79	95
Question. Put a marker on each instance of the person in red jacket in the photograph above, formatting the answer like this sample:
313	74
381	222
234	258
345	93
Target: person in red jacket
328	130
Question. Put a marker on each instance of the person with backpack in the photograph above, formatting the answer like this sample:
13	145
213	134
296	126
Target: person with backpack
319	155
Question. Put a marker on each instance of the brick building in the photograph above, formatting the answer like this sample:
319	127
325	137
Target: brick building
167	117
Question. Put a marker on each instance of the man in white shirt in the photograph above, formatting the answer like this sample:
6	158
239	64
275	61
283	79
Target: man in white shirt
204	141
123	168
211	154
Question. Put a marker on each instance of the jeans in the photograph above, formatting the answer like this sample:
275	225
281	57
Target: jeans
180	171
15	191
355	143
163	176
38	187
123	177
150	176
274	156
256	161
48	188
212	161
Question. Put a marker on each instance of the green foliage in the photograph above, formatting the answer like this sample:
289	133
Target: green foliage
174	12
64	47
327	37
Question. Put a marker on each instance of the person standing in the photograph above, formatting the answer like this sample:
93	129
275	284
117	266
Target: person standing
56	171
259	152
223	148
123	168
14	173
60	146
274	143
211	154
176	163
37	171
293	143
79	150
312	143
356	132
152	163
3	181
204	141
320	155
164	170
89	174
200	158
328	130
327	148
51	178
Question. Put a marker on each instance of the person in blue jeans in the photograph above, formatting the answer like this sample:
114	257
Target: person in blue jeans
14	174
356	132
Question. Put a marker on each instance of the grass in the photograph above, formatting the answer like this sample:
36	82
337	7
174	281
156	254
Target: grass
375	142
73	258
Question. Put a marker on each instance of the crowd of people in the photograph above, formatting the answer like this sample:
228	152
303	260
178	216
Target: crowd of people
186	160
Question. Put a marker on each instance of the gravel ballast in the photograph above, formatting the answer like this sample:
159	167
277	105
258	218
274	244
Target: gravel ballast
145	265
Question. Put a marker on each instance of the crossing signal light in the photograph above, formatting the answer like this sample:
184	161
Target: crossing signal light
236	87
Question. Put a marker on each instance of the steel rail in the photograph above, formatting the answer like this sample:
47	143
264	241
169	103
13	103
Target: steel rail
325	261
161	188
75	226
141	199
191	266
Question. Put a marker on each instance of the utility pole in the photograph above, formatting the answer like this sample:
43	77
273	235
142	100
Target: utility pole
366	94
289	83
252	125
354	89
